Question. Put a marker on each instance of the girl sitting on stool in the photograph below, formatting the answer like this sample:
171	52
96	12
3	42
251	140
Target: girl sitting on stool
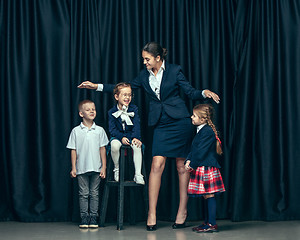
124	128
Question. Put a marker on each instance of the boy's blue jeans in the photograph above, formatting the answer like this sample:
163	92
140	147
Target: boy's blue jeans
88	185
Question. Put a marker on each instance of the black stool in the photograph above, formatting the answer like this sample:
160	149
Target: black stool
126	153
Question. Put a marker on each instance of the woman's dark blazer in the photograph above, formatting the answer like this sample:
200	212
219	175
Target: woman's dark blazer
116	128
203	150
173	80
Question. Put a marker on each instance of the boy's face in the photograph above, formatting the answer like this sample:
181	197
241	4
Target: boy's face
196	120
88	111
124	97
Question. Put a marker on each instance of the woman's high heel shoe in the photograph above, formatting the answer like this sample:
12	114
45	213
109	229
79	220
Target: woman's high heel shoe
177	226
151	227
180	225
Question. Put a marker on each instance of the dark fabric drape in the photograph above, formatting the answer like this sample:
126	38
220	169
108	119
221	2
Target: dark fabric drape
265	136
246	51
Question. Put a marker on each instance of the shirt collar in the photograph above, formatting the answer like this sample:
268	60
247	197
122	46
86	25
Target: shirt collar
200	126
124	108
162	68
83	126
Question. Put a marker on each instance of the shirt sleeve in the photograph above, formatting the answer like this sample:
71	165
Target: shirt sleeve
103	138
72	141
100	87
191	92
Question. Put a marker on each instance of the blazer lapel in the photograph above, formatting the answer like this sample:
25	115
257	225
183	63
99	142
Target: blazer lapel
146	84
119	118
163	80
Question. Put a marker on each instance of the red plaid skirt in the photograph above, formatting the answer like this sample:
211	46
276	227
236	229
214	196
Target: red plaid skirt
206	180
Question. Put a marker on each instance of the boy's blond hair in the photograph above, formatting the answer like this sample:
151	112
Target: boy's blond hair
82	103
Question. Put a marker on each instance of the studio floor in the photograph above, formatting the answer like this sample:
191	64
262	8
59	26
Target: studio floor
228	230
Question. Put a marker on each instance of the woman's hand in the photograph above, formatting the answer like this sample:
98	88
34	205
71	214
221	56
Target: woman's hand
88	85
210	94
136	142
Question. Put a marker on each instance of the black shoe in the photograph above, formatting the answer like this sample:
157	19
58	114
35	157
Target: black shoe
85	220
93	222
151	227
177	226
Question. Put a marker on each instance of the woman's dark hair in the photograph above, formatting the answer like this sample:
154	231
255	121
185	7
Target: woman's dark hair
155	50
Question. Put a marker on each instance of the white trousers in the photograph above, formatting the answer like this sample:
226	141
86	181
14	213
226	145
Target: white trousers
137	155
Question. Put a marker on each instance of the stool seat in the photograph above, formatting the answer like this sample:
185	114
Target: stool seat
121	184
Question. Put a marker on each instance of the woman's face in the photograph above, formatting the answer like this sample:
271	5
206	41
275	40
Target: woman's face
150	61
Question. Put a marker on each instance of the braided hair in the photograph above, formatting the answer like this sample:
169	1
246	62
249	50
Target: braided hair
206	111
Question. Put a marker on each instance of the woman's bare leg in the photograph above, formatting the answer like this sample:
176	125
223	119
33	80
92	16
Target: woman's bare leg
157	168
184	177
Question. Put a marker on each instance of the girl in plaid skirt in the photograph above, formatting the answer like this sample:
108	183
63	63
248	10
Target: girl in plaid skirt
206	179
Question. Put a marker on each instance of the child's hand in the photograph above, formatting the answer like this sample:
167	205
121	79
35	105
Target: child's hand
187	166
73	173
125	141
136	142
102	173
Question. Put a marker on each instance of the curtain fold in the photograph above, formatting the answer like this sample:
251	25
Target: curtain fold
246	51
265	139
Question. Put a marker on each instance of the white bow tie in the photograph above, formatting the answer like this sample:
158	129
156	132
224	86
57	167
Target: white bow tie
125	116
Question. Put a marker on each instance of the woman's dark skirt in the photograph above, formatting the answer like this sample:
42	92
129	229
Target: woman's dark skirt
172	137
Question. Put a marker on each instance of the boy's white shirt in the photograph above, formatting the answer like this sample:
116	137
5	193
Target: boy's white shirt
87	143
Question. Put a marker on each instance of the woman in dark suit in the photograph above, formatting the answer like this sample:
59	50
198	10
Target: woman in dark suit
173	130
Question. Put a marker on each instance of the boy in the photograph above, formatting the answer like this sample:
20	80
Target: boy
88	156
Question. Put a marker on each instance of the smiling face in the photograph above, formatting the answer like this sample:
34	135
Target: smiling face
124	97
150	61
197	120
88	111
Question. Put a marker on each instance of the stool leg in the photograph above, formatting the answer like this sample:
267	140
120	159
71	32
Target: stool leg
132	207
145	193
131	191
121	190
104	205
105	194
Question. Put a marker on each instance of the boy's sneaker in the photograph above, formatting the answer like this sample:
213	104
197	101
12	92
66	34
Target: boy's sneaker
84	222
195	229
116	174
139	179
208	228
93	222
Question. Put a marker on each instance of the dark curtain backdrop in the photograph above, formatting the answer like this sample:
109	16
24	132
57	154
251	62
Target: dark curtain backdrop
246	51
